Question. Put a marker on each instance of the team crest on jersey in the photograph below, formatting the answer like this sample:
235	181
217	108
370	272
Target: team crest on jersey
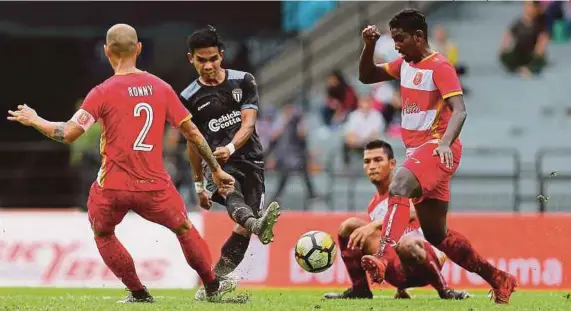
417	78
237	95
83	118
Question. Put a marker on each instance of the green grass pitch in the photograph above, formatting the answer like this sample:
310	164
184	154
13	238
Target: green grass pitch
53	299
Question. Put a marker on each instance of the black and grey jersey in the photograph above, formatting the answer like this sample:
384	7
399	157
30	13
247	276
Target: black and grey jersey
216	111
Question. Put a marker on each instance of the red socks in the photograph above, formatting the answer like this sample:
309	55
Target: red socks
432	269
352	260
460	250
118	259
197	254
395	222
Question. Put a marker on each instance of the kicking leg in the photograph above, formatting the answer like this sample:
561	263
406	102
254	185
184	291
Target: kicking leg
245	215
432	216
352	259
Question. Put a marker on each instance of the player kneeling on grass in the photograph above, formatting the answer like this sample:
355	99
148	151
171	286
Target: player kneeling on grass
413	262
132	107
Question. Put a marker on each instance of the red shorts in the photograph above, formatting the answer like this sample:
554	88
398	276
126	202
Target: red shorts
107	207
415	275
432	175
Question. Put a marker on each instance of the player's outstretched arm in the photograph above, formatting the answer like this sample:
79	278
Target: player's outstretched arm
193	135
64	132
369	72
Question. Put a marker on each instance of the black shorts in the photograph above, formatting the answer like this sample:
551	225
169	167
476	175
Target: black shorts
249	182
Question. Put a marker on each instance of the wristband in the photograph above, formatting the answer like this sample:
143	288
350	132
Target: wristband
231	147
199	186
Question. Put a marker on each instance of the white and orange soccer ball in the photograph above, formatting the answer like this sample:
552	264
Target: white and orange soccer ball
315	251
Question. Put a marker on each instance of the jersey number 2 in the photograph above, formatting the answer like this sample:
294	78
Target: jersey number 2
138	144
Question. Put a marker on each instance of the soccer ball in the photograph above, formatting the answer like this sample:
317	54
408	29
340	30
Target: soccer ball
315	251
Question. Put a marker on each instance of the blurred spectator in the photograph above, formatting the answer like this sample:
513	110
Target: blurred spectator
524	46
341	99
442	44
553	12
85	158
289	144
264	125
363	125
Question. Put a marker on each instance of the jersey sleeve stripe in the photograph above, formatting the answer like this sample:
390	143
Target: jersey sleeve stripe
451	94
236	74
249	106
388	70
184	120
190	90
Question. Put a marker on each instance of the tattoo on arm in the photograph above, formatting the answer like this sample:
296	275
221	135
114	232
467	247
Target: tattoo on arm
55	131
58	133
193	135
205	152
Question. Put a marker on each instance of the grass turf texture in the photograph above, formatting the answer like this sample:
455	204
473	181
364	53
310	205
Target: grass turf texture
269	300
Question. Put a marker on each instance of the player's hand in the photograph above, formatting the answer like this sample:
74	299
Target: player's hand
204	200
225	190
222	154
445	154
223	180
360	235
370	35
25	115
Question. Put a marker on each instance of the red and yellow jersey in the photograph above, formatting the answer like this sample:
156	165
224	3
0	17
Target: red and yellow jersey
424	86
133	110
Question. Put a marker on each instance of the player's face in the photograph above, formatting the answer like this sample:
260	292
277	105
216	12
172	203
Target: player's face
409	46
207	61
377	165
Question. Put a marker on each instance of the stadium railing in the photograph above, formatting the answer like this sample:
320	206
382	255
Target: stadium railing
552	173
476	173
29	180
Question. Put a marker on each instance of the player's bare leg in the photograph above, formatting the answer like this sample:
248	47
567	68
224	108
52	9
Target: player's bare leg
432	216
403	186
352	258
416	254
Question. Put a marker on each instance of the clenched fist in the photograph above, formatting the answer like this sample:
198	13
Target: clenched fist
370	35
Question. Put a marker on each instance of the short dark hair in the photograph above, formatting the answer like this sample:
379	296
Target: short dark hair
381	144
205	38
410	20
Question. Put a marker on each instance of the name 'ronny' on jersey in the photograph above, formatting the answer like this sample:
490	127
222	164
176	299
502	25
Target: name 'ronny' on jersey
216	111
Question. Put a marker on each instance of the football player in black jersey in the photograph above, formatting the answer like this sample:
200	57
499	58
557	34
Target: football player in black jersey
224	105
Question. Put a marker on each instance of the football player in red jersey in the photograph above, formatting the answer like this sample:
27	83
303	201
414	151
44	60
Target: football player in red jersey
433	113
413	262
132	107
